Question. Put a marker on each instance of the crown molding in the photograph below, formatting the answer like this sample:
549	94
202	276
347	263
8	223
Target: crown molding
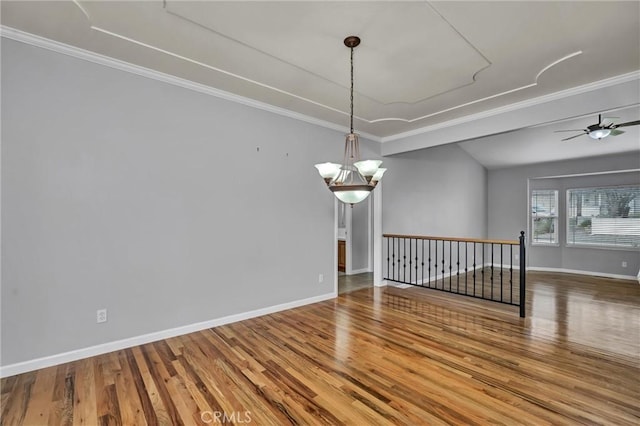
86	55
75	52
607	172
624	78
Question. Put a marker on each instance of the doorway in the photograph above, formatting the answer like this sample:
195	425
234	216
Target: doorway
355	245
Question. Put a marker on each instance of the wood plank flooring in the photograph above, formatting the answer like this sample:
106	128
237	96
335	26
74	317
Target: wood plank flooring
373	356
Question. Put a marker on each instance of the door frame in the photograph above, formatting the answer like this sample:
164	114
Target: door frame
374	243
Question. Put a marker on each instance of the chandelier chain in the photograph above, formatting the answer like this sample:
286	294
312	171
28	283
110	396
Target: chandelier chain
351	113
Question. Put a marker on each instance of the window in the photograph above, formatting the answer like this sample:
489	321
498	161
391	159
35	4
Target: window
605	217
544	216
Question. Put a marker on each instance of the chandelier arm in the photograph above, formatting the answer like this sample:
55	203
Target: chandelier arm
345	177
356	146
348	161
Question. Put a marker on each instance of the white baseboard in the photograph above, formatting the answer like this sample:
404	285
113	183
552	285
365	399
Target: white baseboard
49	361
399	285
359	271
579	272
382	283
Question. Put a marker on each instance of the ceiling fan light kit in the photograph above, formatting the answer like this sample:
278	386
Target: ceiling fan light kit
601	130
353	180
599	133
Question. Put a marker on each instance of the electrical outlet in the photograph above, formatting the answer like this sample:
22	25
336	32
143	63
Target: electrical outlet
517	257
320	278
624	264
101	315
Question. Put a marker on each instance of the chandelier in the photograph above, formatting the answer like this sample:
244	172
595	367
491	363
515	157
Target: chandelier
353	180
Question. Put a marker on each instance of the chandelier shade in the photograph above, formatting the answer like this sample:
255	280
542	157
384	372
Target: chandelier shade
353	180
352	195
368	168
328	171
378	174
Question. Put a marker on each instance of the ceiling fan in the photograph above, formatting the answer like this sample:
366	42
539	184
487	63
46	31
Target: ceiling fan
600	130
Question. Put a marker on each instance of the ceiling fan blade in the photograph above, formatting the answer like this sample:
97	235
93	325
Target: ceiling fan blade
575	130
572	137
607	122
628	123
615	132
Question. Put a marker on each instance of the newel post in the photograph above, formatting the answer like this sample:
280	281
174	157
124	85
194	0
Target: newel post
523	274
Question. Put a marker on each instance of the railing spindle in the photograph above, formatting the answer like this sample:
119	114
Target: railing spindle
482	269
393	257
410	260
474	268
511	274
492	280
398	259
436	265
458	267
466	265
422	258
429	272
416	264
450	266
443	263
501	261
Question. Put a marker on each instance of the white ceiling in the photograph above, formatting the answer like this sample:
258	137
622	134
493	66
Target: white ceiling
540	144
422	66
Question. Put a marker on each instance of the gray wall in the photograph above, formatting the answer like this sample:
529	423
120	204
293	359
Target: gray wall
150	200
508	200
360	235
440	191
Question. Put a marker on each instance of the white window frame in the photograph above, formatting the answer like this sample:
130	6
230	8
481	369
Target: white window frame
551	215
582	244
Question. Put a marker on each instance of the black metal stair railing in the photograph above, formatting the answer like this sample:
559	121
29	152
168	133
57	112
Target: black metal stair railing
472	267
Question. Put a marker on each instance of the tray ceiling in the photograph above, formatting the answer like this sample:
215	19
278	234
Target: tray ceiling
419	64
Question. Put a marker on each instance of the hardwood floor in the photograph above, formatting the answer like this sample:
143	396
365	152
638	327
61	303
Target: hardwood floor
373	356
